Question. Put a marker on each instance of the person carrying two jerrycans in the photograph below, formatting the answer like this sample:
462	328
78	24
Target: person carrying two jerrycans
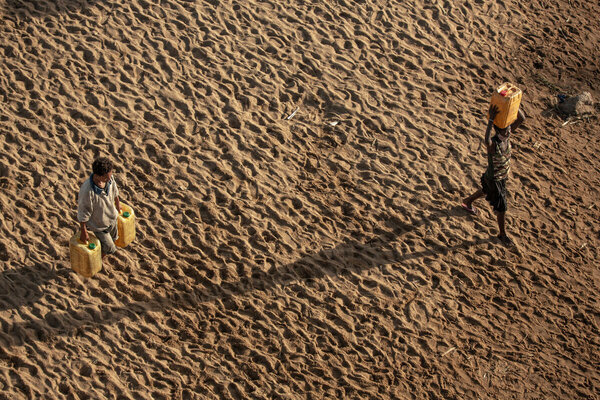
493	180
99	206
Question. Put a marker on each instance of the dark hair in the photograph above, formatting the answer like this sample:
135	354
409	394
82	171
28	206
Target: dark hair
102	166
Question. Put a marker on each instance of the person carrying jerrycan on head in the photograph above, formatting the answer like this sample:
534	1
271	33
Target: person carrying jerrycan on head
493	180
98	206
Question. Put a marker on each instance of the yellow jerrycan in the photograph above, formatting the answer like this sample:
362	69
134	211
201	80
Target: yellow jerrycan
508	99
86	258
125	226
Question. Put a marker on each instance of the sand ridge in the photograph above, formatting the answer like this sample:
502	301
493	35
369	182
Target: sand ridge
297	258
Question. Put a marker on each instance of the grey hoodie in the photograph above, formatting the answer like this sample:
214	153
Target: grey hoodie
96	206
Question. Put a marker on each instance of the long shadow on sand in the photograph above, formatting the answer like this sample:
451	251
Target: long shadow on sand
351	256
24	286
29	9
26	10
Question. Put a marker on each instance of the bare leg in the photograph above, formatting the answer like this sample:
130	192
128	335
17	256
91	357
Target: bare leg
469	200
501	227
501	224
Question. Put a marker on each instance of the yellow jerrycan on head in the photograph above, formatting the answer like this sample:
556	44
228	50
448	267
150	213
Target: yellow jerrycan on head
125	226
508	99
86	258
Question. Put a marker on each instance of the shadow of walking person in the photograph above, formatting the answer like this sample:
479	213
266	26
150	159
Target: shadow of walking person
28	9
348	258
23	286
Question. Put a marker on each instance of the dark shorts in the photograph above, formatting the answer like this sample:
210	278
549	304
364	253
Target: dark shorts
495	192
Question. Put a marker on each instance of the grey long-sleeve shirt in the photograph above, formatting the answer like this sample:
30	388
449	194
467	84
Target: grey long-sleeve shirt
96	206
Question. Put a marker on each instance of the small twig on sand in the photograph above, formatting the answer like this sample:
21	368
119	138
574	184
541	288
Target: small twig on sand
448	351
563	33
292	114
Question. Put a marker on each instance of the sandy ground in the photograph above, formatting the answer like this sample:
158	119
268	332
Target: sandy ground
286	258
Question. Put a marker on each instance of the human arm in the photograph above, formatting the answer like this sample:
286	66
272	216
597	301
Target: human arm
520	118
116	194
488	132
84	236
84	212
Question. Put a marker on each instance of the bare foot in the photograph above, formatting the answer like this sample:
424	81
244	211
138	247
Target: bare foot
506	240
469	208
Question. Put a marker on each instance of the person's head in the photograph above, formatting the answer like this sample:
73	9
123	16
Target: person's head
503	133
102	168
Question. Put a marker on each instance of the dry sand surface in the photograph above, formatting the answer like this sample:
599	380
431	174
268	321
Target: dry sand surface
286	258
